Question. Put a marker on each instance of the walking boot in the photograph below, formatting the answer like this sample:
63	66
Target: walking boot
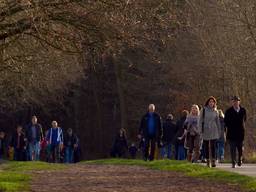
197	155
213	163
208	162
239	163
189	157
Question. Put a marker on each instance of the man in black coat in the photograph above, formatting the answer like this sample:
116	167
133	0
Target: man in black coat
235	118
70	145
151	131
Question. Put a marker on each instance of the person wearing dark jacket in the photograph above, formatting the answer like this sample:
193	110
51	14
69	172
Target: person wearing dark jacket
120	146
169	132
235	118
151	131
34	135
133	151
3	145
180	151
70	145
18	143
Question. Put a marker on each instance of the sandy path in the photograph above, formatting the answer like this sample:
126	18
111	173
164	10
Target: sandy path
108	178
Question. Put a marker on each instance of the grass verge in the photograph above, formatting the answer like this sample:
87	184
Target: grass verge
15	177
193	170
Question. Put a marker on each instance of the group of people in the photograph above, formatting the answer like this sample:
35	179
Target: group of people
29	143
199	135
202	132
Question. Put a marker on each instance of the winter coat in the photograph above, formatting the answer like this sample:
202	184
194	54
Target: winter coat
39	132
144	126
70	141
180	126
211	128
120	146
192	125
59	139
14	141
169	131
235	123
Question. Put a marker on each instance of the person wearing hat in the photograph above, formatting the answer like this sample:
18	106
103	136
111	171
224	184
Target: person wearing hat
235	118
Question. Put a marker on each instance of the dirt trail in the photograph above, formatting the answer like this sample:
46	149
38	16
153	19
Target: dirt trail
108	178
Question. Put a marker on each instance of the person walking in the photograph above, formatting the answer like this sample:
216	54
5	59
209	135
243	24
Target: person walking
151	130
18	142
220	144
70	145
169	132
3	145
34	135
209	124
120	145
193	137
180	151
235	118
55	141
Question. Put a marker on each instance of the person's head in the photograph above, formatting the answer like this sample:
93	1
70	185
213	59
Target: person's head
184	113
2	134
221	114
194	110
170	117
151	108
70	131
122	132
236	101
34	120
211	102
19	129
54	124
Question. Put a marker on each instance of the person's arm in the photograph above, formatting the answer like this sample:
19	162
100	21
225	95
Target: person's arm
226	118
141	128
61	136
161	128
41	134
218	123
75	141
245	115
200	121
48	135
183	135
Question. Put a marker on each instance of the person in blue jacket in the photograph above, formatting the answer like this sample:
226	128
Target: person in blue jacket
55	141
151	130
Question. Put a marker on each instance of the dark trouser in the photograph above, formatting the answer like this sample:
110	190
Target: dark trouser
210	144
233	146
150	142
18	154
55	153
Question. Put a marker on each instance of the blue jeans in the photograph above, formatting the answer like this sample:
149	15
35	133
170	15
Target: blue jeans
181	154
34	151
69	154
166	150
220	149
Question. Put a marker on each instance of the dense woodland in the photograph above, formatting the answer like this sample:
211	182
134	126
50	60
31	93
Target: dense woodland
95	65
